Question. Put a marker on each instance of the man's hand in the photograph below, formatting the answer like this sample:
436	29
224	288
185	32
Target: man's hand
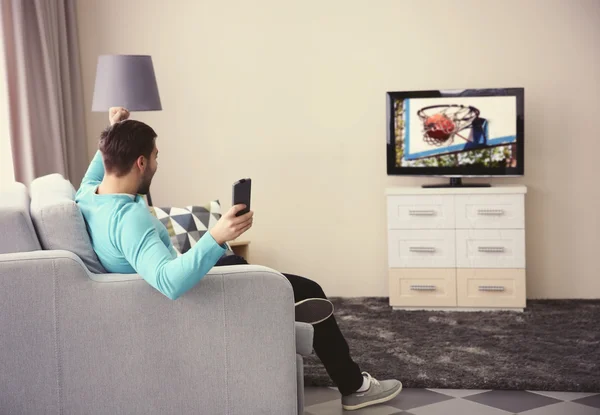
117	114
230	227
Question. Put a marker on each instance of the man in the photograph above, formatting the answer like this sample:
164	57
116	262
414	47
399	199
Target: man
128	239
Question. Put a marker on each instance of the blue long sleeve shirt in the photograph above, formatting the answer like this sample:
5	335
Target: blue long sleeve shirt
128	239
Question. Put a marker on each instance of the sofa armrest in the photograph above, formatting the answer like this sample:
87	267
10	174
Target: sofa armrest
16	228
304	339
125	348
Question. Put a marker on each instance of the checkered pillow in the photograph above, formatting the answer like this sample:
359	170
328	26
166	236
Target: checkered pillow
187	225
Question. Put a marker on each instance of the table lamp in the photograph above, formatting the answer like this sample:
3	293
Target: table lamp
126	81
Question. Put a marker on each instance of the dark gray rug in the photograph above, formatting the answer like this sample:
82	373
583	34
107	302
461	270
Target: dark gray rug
553	346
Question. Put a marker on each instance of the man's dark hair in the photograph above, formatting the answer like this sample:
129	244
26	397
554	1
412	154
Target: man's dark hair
123	142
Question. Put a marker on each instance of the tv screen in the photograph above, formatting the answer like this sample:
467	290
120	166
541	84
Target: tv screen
456	133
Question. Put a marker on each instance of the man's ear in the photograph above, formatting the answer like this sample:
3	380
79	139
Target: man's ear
141	163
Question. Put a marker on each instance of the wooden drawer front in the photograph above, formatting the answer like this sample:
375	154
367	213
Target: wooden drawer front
491	287
421	212
490	212
490	249
423	287
421	249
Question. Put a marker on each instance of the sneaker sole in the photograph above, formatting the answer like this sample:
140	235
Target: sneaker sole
313	310
376	402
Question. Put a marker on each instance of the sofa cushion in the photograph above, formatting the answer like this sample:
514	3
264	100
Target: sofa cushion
16	227
187	225
58	220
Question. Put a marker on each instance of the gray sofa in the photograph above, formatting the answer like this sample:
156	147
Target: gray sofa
76	341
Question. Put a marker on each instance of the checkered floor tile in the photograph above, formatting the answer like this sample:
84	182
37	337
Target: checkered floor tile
326	401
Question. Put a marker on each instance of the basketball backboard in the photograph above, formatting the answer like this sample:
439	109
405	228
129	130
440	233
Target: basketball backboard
494	125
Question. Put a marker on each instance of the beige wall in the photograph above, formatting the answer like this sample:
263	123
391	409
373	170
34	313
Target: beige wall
292	94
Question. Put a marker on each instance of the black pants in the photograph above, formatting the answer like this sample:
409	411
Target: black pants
329	343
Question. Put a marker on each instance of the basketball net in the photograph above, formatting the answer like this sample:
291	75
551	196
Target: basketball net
441	123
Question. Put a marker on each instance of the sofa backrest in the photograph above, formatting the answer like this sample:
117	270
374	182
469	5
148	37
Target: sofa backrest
59	221
17	233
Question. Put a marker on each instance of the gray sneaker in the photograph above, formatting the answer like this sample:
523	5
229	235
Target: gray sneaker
378	392
313	310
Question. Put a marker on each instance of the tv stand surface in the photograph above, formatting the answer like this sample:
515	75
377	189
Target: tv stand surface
455	182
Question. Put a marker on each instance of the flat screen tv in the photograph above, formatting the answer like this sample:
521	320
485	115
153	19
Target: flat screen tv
456	133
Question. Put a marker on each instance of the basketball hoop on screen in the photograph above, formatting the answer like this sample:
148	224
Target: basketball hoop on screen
442	122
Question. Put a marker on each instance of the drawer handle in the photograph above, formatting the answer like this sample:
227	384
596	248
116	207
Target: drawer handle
491	288
421	212
423	287
428	249
491	249
490	212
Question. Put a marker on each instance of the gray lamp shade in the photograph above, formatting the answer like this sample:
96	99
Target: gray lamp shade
125	81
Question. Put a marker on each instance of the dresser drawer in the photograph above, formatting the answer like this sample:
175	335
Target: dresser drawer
490	248
490	211
421	248
491	288
423	287
421	212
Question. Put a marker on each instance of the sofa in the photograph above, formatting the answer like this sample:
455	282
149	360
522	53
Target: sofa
77	340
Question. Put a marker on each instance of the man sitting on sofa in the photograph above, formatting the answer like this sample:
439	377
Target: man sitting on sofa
128	239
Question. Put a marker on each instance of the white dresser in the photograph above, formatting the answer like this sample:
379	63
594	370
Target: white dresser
457	248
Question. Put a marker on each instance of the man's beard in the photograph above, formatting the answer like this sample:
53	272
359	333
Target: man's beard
144	187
